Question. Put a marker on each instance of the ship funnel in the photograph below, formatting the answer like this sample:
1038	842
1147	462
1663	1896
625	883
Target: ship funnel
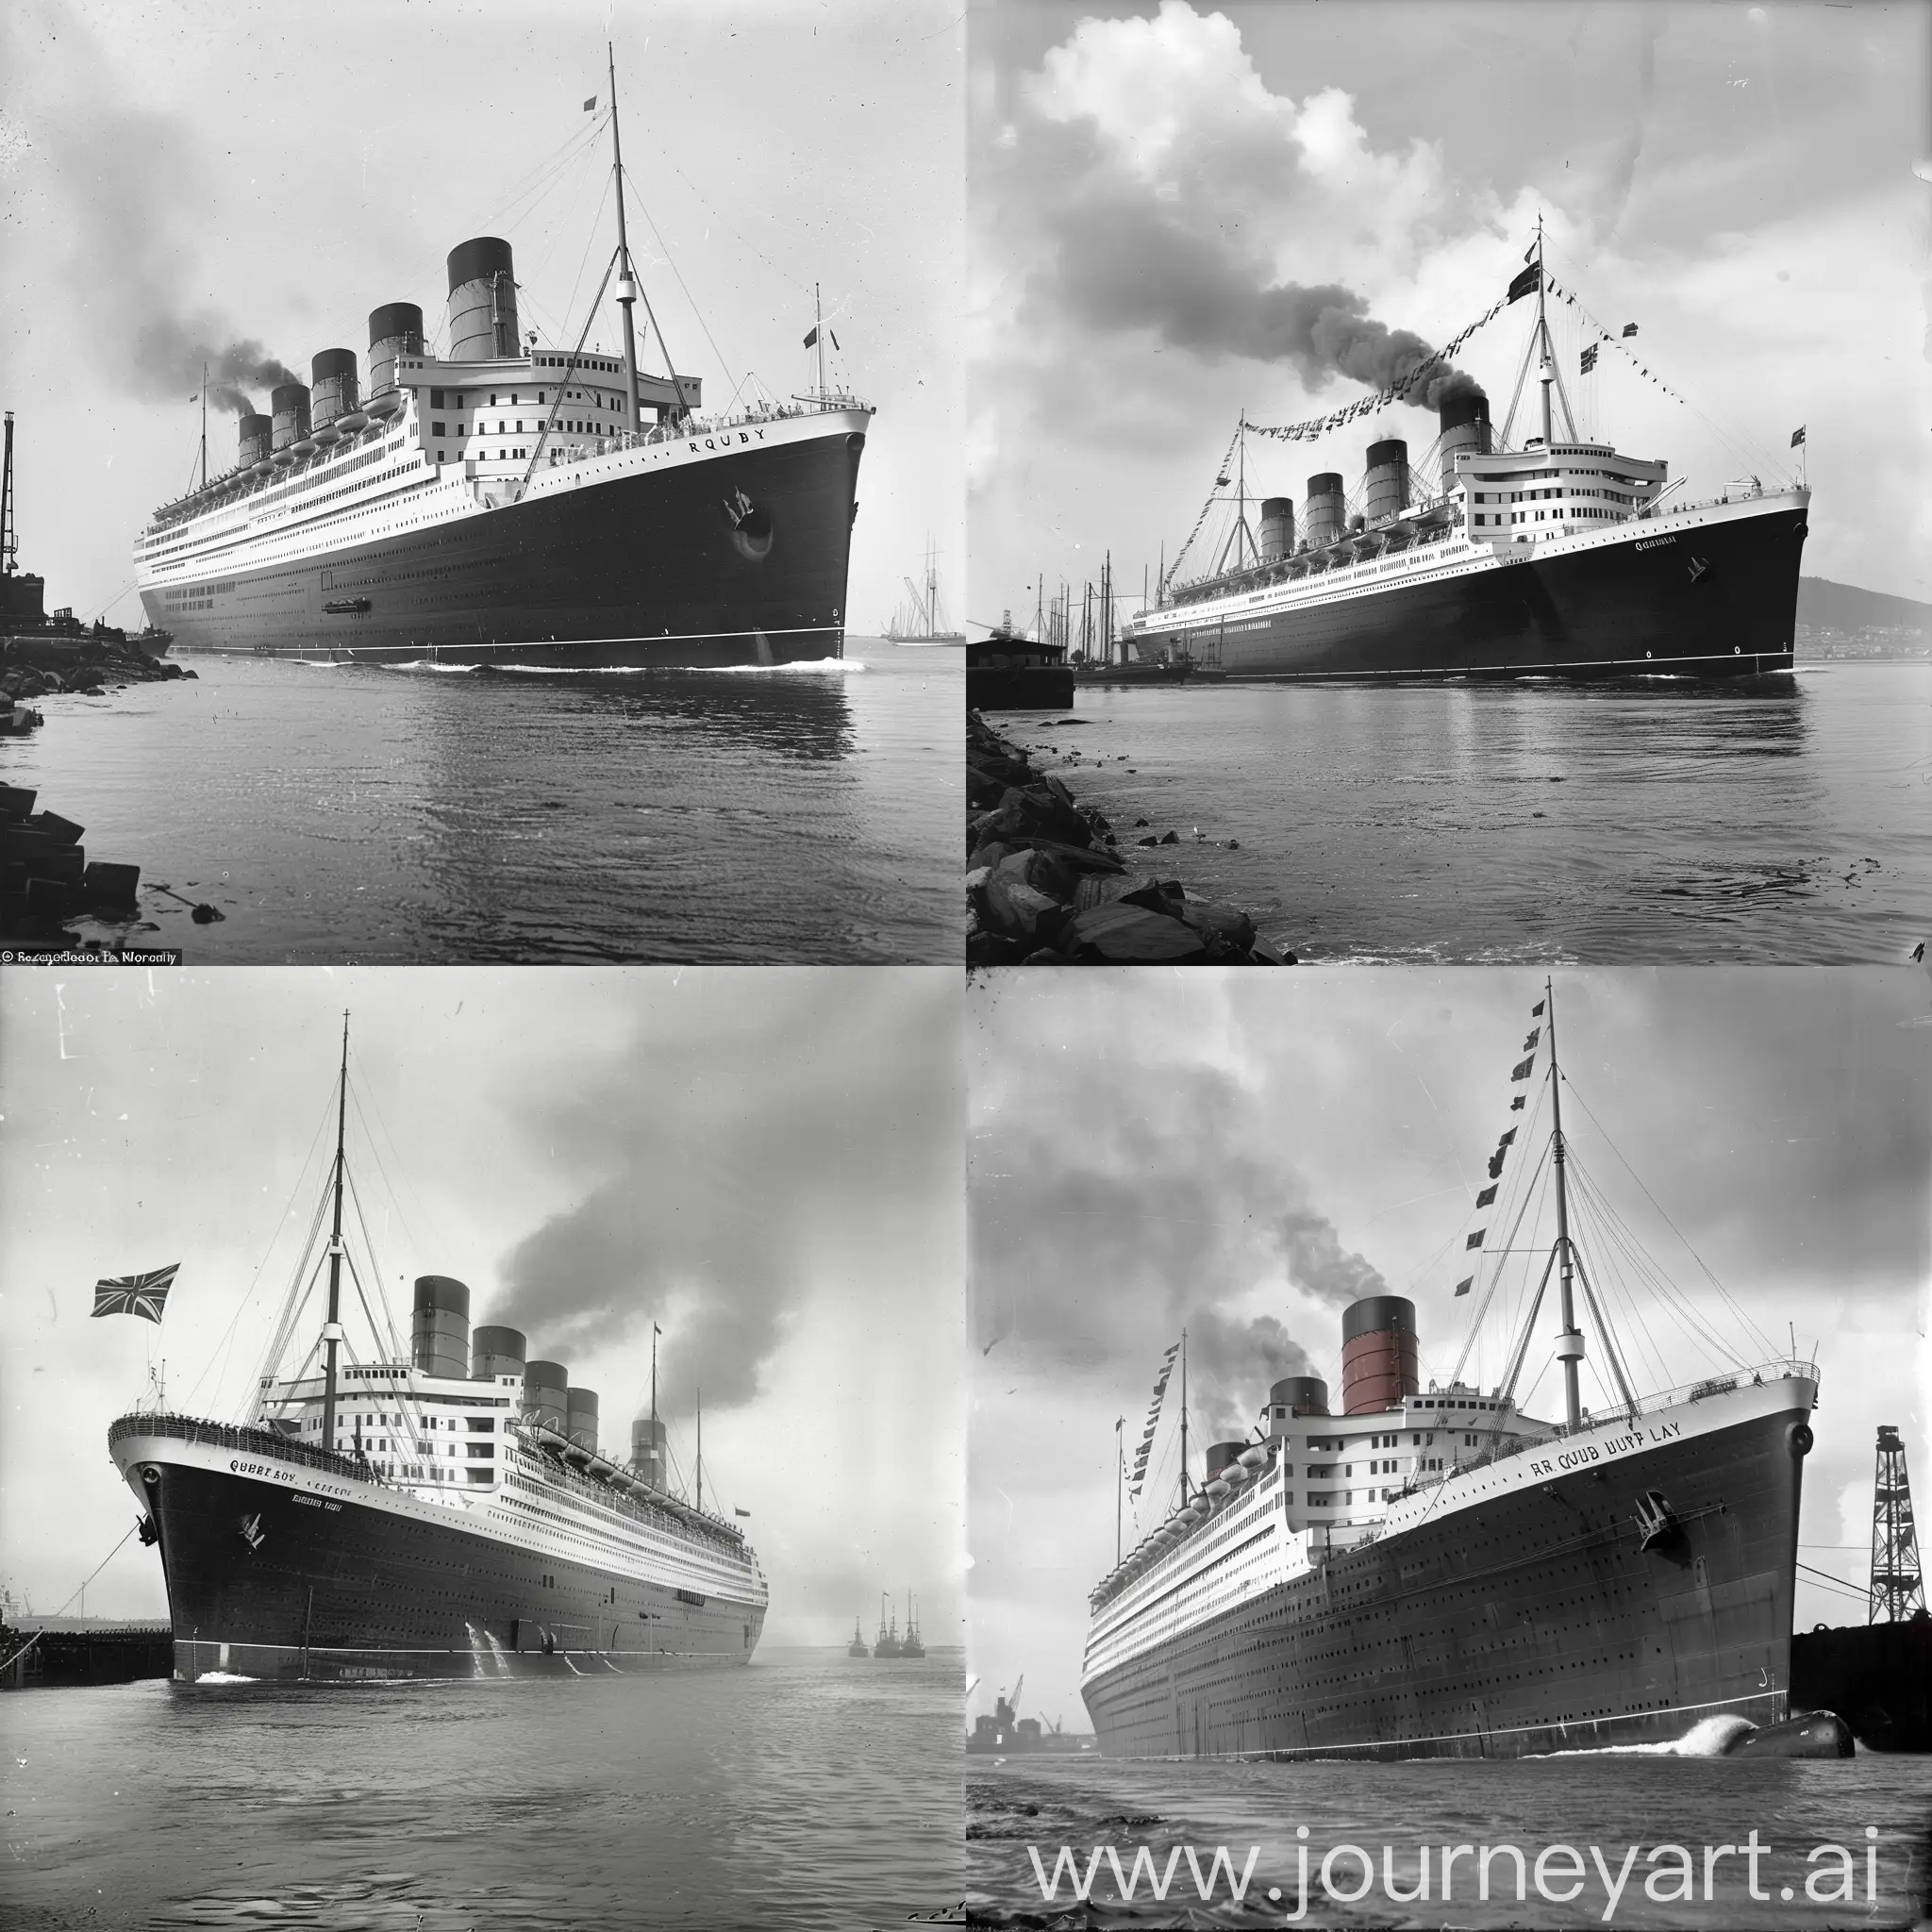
1465	420
581	1407
258	439
1277	528
1378	1354
647	1450
332	390
495	1352
482	301
1222	1458
439	1340
1322	520
546	1395
290	402
1385	484
1296	1395
394	329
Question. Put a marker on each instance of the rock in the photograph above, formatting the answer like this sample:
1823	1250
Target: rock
1122	935
1234	844
205	915
1150	840
1019	910
1213	921
1171	838
1040	870
993	949
104	884
1139	822
61	831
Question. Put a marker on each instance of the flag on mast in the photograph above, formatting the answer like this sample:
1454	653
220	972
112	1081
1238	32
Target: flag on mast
145	1295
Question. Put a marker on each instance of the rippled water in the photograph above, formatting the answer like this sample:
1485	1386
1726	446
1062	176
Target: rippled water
1606	824
354	812
1609	1801
803	1790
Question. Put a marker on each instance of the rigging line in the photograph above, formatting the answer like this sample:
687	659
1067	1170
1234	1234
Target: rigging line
671	262
1508	1246
1663	1287
586	135
285	1316
1823	1579
583	262
557	226
389	1318
803	287
71	1595
1757	1334
1603	1247
1621	1240
295	1192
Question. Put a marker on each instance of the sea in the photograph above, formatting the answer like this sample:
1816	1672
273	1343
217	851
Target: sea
337	813
1601	1805
806	1789
1634	824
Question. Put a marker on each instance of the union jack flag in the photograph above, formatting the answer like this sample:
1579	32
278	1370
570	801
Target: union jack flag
136	1294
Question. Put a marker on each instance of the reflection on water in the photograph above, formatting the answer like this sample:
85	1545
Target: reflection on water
1661	821
352	812
793	1791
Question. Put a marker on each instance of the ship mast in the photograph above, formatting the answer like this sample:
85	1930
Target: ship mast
203	425
626	281
1570	1342
332	1329
701	1452
1184	1418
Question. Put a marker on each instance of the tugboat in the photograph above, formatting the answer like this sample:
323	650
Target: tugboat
911	1645
856	1648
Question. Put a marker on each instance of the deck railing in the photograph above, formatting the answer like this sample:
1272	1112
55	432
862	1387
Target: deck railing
267	1442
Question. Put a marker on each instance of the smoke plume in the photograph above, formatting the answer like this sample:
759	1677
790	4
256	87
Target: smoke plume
168	355
1132	265
1318	1265
733	1182
1233	1363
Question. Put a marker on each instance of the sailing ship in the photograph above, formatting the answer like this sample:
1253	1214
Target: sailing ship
446	1511
1440	1573
517	502
1557	558
856	1648
921	619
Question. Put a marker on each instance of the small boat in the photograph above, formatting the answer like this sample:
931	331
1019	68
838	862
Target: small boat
856	1648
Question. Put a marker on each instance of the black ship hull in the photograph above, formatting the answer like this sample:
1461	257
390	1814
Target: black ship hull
268	1581
1529	1623
738	559
1877	1676
1707	597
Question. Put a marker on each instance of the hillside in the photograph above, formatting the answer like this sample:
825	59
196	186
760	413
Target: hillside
1825	605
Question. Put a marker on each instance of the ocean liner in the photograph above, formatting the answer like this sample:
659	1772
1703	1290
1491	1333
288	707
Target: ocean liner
447	1514
1438	1574
517	503
1559	558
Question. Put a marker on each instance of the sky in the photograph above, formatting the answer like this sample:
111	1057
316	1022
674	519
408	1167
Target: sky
765	1162
1179	215
257	177
1245	1153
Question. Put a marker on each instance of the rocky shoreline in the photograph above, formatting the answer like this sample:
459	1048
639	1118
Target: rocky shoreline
1046	886
35	667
